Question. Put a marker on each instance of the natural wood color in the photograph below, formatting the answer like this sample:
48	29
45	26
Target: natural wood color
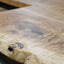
40	25
34	30
53	9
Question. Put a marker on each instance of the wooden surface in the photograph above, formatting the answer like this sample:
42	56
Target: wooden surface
40	25
53	9
32	28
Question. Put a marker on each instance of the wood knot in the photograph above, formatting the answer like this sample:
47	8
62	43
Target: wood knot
12	46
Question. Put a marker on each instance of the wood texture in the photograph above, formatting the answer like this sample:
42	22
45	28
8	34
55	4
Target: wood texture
15	3
54	9
39	25
33	28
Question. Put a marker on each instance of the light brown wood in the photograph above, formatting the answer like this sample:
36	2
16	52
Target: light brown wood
40	25
38	29
53	9
34	30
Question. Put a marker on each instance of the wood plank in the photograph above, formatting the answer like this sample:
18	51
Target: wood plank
40	25
34	30
40	29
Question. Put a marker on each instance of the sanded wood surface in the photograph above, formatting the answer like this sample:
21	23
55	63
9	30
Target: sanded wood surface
50	8
53	9
15	3
40	24
32	28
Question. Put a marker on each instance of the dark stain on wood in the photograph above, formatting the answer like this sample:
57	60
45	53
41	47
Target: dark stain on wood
19	45
12	31
29	27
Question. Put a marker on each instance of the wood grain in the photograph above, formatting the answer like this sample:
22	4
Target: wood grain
40	25
34	29
53	9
